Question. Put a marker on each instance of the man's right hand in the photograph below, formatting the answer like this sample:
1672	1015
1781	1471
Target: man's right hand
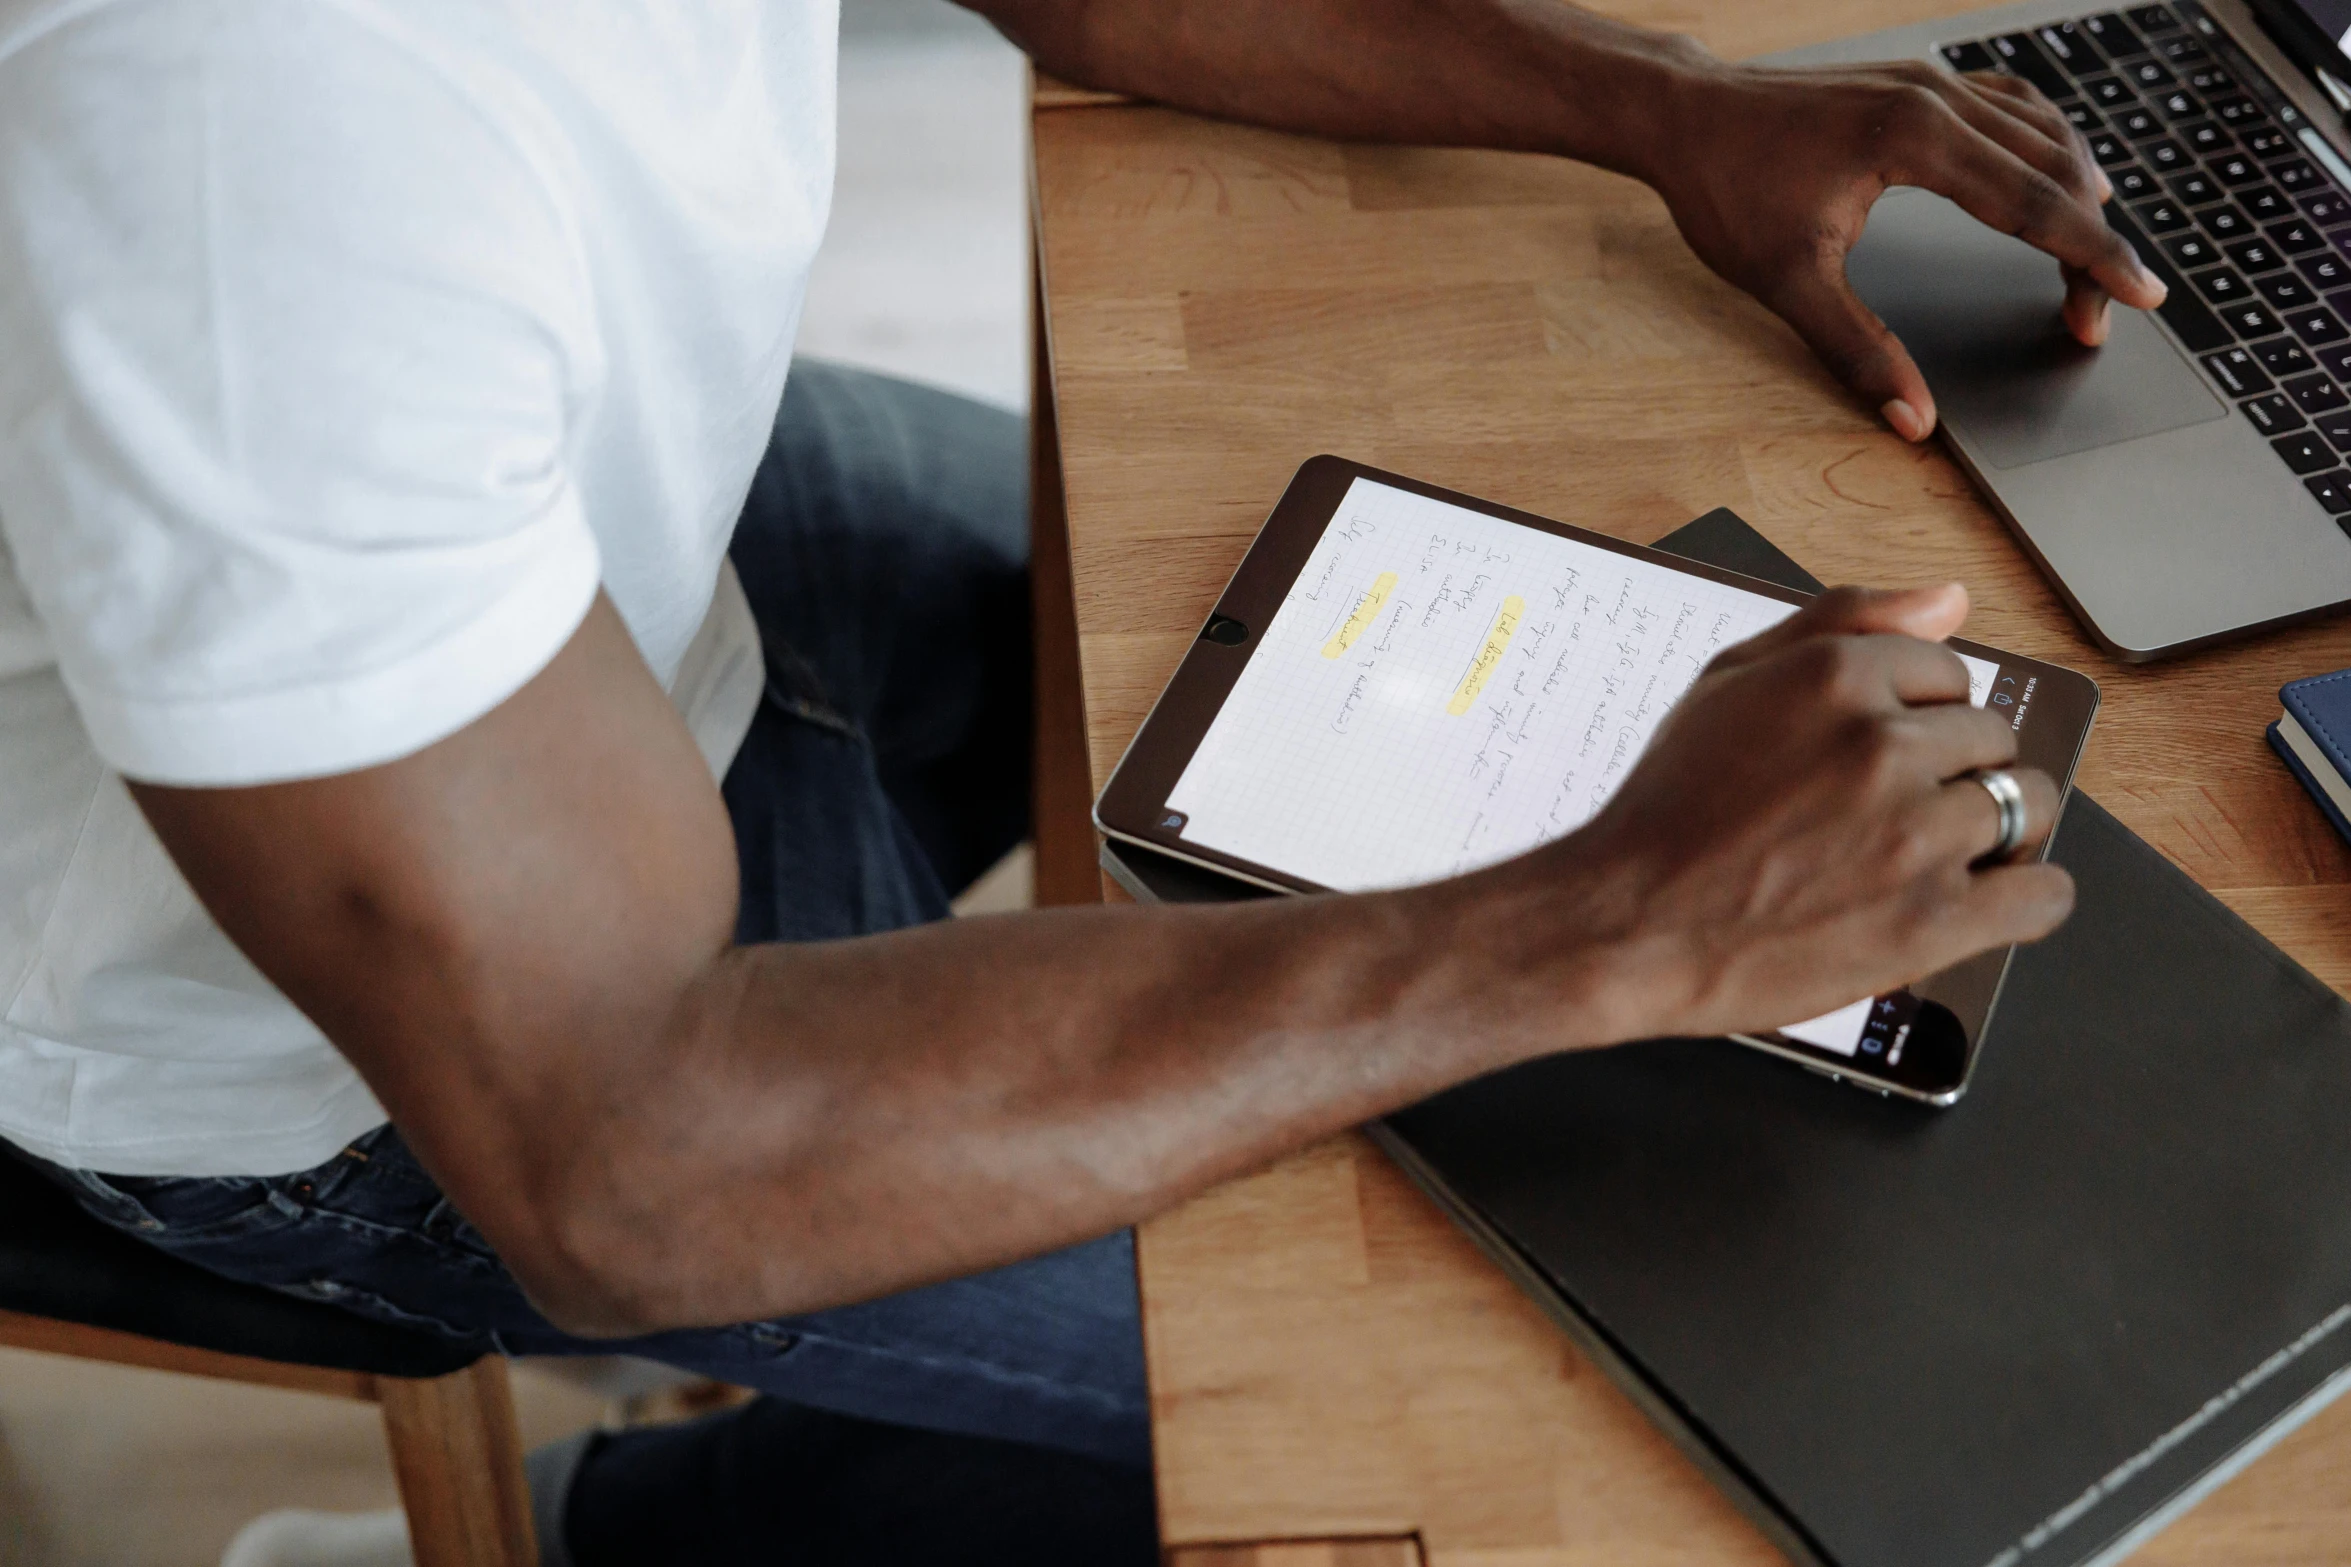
1802	832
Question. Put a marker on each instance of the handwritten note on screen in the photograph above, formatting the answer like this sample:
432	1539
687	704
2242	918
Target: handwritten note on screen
1442	690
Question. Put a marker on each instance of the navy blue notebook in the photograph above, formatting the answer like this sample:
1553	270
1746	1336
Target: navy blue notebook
2313	735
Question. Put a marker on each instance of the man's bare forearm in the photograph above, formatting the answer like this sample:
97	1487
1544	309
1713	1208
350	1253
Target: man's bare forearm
521	936
1529	75
830	1122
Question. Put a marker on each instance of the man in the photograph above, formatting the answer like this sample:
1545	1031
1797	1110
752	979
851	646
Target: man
437	685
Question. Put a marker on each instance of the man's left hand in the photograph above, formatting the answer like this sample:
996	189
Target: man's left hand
1771	174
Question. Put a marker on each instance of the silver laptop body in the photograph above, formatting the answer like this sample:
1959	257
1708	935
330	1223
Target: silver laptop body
2159	511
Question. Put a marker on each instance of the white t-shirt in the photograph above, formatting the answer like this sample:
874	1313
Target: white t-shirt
346	347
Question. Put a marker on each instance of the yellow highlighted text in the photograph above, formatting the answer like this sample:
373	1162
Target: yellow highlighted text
1497	643
1362	615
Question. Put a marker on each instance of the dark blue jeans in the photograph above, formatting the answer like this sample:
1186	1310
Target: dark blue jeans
884	550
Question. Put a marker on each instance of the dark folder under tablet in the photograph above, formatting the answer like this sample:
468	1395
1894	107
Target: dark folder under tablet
2028	1329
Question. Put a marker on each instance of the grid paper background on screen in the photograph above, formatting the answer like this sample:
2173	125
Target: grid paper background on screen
1441	690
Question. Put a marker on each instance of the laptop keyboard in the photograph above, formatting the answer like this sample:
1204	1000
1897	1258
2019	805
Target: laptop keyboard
2216	188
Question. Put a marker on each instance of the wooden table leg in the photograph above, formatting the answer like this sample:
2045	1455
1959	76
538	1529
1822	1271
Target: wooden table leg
458	1458
1062	787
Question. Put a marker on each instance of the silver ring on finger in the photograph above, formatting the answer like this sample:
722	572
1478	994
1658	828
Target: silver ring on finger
2008	795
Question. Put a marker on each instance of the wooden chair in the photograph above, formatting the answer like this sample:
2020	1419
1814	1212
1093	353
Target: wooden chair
70	1285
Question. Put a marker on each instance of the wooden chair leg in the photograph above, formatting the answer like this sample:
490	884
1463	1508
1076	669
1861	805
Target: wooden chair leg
458	1457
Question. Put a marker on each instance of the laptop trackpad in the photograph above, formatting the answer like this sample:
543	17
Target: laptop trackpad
1979	312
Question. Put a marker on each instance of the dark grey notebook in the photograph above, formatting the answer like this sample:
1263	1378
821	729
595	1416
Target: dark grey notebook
2027	1329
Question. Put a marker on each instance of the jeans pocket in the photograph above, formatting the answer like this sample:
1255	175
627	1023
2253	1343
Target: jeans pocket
106	1202
193	1212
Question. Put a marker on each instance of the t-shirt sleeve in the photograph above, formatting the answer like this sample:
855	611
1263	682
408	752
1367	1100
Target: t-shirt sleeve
297	347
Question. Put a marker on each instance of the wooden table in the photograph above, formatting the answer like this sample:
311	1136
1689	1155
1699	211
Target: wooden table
1330	1361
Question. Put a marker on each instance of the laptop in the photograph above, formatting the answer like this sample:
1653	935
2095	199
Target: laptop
2190	481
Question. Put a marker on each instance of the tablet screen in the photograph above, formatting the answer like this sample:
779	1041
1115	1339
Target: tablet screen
1442	689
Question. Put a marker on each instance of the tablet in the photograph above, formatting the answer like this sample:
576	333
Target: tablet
1402	683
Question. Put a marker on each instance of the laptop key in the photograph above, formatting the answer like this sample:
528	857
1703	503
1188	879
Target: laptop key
2152	18
2318	325
2240	113
2108	92
2296	176
2274	414
2132	183
2085	119
2325	270
2315	394
2207	139
2211	79
2178	104
2189	251
2183	52
2114	35
2160	217
2285	291
2296	238
2282	357
2266	204
2336	428
2304	453
2221	286
2238	372
2333	491
2138	124
2225	223
2249	320
2064	43
2194	188
2254	255
2020	54
2150	75
2336	360
2327	208
1969	57
2234	169
2166	156
2268	142
2110	149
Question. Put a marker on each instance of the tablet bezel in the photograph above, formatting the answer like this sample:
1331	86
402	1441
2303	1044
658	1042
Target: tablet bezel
1132	804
